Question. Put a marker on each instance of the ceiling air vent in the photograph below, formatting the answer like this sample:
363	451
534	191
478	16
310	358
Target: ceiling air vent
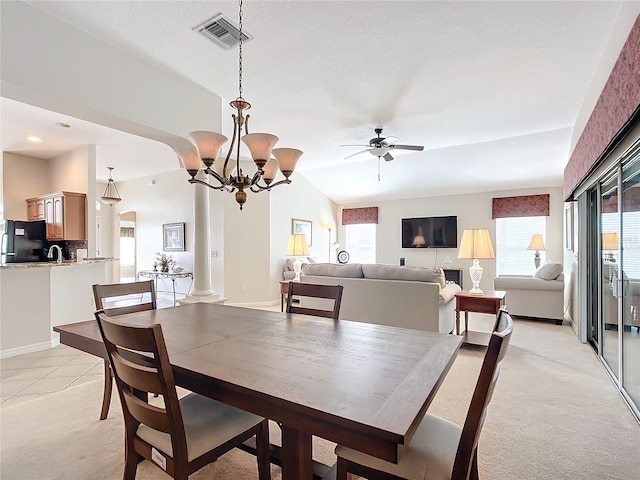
222	32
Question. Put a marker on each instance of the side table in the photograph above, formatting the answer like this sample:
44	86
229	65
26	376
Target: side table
284	290
490	302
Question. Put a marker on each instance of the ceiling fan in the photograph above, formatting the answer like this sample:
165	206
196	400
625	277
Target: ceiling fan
380	146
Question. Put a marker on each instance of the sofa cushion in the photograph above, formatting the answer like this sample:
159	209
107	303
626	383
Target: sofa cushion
548	271
415	274
288	263
353	270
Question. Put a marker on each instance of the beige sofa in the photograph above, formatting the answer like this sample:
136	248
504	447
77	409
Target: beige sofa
537	296
408	297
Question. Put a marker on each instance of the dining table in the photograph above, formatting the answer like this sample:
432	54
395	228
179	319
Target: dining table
365	386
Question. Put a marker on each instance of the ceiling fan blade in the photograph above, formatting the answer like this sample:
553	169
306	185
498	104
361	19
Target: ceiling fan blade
357	153
389	140
358	145
417	148
387	156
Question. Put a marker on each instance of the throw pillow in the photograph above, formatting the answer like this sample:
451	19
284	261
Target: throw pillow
548	271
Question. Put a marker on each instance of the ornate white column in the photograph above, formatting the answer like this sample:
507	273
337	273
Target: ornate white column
202	291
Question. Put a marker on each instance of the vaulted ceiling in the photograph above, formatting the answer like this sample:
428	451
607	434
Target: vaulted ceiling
491	89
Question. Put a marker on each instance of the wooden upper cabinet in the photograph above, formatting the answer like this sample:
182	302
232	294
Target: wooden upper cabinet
64	212
35	209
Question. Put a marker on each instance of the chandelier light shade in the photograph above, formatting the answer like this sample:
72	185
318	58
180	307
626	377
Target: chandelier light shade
111	195
298	246
476	244
537	244
226	173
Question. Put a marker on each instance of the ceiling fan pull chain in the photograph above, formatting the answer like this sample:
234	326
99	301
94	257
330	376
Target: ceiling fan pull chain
378	168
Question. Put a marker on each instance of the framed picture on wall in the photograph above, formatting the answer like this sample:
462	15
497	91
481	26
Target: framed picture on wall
173	237
302	226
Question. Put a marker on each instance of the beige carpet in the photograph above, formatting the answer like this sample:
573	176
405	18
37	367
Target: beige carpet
555	415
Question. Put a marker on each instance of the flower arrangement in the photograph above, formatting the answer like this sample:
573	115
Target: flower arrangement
164	261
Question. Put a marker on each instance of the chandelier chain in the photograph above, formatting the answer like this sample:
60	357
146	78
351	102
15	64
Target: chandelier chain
240	51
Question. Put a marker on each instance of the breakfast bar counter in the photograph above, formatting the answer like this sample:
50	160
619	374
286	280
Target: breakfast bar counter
35	297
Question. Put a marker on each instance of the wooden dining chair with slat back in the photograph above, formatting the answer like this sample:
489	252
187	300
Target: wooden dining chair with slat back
439	449
133	297
326	292
181	435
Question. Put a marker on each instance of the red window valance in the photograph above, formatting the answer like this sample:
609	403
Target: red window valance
521	206
352	216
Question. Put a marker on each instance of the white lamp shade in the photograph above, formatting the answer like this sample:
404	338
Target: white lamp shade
536	243
208	143
287	159
270	171
298	245
476	244
190	159
610	241
260	146
218	166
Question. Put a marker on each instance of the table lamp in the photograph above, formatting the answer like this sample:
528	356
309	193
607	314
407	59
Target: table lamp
418	240
476	244
298	246
537	244
610	243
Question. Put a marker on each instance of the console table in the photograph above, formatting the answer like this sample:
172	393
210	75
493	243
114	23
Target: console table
155	275
490	302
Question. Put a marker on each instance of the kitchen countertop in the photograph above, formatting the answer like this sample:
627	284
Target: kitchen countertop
65	263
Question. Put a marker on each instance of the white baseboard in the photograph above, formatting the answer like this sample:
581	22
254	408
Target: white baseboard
36	347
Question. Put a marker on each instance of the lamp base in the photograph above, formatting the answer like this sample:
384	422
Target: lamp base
536	259
297	268
475	271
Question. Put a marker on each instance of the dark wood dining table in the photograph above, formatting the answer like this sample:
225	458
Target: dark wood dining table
361	385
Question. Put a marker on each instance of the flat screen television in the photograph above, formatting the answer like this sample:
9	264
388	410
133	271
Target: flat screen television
430	232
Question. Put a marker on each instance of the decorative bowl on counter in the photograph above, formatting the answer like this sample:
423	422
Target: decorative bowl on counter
177	269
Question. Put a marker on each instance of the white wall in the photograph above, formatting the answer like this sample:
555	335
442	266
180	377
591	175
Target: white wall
302	200
473	211
169	200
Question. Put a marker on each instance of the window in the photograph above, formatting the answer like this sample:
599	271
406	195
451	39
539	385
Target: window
361	242
513	235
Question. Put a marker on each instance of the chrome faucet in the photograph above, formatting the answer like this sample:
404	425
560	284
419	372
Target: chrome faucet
50	255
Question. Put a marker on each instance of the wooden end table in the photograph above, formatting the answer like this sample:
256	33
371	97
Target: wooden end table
490	302
284	290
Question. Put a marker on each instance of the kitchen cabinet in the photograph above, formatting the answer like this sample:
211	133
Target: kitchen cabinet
35	209
64	213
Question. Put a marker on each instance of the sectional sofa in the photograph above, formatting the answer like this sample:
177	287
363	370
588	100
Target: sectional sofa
408	297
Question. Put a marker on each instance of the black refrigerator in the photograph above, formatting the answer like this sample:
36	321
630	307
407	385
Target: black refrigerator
24	242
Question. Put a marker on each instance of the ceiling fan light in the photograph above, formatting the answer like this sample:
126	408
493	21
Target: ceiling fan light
260	146
378	151
208	145
287	159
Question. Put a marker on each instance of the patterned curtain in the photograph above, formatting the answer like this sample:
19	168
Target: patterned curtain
522	206
127	232
352	216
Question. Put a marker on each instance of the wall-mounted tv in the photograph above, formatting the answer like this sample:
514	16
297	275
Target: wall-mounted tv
430	232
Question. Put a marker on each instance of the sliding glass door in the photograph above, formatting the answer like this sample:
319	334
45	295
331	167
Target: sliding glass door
630	274
609	258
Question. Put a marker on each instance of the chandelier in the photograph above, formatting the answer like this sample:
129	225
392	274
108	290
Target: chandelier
226	173
110	195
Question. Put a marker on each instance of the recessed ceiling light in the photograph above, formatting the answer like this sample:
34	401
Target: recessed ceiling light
34	139
63	125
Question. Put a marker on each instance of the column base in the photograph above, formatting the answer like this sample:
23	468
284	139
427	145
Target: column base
213	298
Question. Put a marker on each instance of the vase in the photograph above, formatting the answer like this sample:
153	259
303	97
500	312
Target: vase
155	268
165	268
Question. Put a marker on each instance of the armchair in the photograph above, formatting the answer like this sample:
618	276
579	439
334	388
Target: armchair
540	295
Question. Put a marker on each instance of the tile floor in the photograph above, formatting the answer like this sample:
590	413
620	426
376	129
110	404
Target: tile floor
32	375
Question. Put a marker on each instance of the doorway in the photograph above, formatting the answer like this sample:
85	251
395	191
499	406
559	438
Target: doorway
128	247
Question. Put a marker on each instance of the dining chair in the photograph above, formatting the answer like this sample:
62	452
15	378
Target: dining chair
440	449
139	296
182	435
328	292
